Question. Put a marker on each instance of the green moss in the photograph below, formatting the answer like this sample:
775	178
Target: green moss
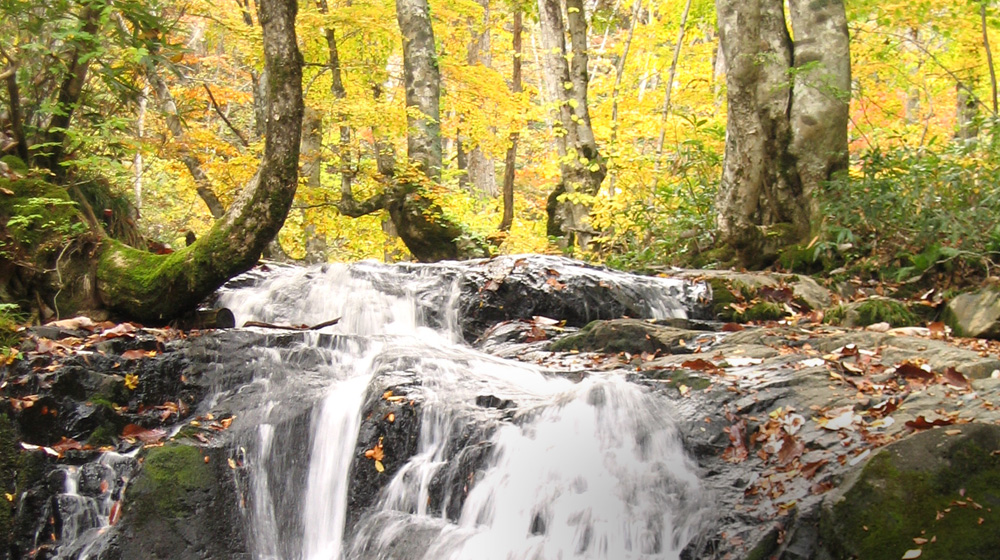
871	311
889	507
675	378
169	474
14	163
37	216
722	297
763	311
105	434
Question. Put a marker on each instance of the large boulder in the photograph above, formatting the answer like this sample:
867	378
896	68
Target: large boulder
937	491
975	314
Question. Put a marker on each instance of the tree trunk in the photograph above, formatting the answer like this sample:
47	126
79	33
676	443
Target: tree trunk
783	140
423	87
511	159
480	168
71	89
420	222
581	165
158	288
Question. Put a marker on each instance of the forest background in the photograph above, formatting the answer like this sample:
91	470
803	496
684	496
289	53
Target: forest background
169	116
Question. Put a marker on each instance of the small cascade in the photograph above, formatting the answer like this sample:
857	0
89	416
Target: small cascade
503	460
89	504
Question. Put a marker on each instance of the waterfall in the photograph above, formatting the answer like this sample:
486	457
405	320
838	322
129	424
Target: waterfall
508	461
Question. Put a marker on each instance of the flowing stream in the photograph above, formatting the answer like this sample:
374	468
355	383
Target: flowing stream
505	461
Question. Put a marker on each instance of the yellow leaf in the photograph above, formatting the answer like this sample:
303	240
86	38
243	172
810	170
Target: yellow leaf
132	381
9	496
232	463
379	466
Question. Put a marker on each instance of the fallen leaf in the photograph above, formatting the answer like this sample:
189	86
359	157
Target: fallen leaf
75	323
913	373
137	354
65	444
700	364
379	466
737	451
809	469
953	377
135	432
131	381
912	553
938	329
922	423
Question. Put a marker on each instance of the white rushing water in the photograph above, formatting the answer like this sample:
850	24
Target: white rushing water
588	470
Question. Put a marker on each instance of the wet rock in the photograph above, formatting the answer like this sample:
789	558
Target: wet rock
628	335
937	485
975	314
728	286
182	505
520	287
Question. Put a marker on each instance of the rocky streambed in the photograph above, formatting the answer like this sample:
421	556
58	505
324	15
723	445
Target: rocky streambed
808	440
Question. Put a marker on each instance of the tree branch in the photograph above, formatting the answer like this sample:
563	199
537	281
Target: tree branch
225	119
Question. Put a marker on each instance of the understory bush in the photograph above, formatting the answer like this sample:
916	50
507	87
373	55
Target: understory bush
904	213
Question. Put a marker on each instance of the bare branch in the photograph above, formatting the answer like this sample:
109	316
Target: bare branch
225	119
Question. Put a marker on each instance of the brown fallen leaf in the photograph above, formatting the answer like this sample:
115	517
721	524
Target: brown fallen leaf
700	364
922	423
953	377
137	354
737	451
134	432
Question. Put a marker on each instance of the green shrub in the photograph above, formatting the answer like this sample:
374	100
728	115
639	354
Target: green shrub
907	212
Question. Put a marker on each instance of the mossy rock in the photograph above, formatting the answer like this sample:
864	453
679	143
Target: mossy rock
172	479
14	163
932	485
624	335
184	503
871	311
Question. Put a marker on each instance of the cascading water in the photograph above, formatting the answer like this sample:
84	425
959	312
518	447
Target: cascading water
509	462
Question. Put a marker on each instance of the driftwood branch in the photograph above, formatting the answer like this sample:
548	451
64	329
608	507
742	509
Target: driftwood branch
292	327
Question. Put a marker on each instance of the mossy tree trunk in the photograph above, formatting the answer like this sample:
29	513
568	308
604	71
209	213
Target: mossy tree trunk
787	123
152	287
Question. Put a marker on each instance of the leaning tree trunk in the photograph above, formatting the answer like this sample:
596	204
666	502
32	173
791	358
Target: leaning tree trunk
787	127
160	287
581	165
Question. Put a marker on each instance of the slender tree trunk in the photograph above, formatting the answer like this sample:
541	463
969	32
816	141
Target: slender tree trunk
480	168
71	88
619	72
14	104
511	159
581	164
989	56
671	76
781	143
140	132
158	288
